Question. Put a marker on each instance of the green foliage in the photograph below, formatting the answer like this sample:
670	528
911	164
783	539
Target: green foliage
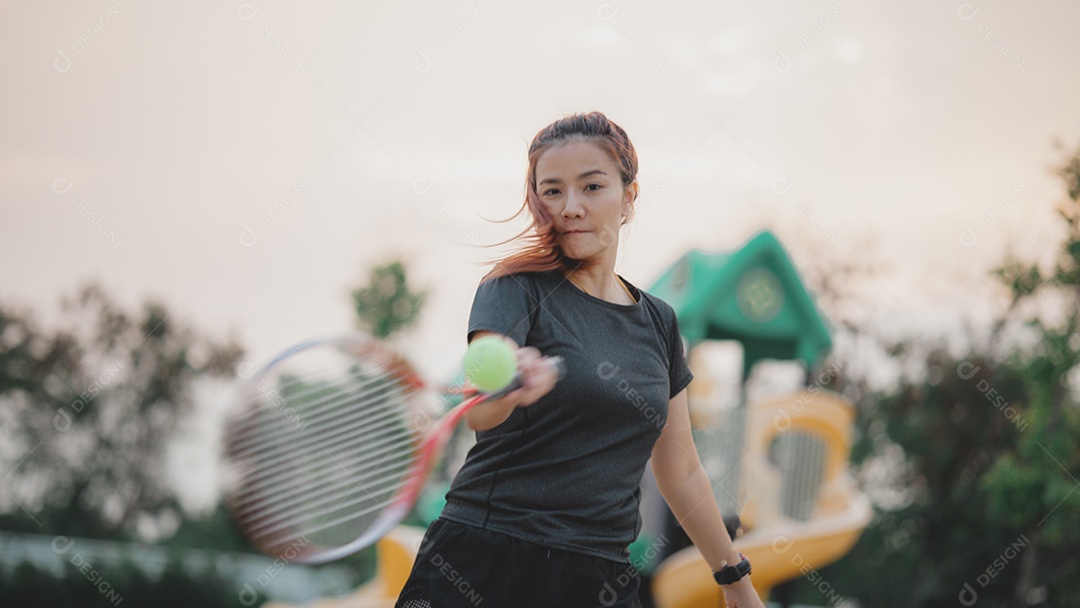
1034	486
212	531
387	305
951	429
25	585
89	404
983	448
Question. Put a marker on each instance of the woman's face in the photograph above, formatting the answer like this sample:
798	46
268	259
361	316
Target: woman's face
581	189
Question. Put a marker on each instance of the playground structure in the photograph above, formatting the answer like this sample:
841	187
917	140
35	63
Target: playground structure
779	462
802	511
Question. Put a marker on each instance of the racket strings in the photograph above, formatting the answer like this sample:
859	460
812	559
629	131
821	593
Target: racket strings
314	519
375	497
388	514
281	485
284	493
391	511
344	428
252	425
366	411
378	436
310	514
272	469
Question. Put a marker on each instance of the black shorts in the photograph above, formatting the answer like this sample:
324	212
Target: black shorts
461	566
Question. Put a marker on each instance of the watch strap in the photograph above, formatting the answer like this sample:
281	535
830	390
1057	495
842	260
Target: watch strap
729	574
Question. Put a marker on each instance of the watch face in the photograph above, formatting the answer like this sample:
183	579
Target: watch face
730	574
723	576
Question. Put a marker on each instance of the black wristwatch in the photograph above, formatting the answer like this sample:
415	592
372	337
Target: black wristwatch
730	574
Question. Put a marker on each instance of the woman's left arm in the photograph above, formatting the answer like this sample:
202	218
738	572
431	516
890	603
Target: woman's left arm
688	491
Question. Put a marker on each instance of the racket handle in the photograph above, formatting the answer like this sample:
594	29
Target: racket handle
560	369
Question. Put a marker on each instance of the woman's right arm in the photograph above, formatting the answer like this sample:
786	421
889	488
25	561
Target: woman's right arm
538	377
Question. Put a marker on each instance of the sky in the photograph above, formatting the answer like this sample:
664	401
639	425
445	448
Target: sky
246	163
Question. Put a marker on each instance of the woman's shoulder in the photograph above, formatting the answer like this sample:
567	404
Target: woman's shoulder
523	279
650	300
657	305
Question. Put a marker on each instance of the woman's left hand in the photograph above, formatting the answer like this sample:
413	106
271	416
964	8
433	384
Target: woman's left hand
741	594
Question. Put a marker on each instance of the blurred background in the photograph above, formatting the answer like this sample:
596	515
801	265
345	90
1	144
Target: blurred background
187	189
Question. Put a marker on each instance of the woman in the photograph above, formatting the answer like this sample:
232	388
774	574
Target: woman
543	509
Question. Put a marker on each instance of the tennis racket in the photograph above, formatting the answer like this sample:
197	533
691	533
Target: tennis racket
330	444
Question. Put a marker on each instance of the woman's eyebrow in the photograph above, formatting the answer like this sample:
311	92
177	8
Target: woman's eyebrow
582	176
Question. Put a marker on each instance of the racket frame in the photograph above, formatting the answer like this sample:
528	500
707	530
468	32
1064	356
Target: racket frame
428	451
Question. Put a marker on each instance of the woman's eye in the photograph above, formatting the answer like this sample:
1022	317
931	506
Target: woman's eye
594	187
550	192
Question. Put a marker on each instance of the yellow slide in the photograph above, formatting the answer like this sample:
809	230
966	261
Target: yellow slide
395	554
800	523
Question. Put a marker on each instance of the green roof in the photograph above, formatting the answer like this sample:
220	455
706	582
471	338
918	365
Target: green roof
752	294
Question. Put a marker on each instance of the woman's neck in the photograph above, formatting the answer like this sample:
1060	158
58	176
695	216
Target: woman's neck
601	282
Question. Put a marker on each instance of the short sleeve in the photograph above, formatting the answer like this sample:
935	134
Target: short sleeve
504	305
679	369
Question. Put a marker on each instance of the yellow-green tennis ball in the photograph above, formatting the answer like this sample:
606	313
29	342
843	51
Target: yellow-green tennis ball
490	363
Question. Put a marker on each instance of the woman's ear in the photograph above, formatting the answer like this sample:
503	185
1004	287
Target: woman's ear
628	202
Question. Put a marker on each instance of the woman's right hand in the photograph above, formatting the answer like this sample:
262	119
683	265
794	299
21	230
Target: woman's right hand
538	376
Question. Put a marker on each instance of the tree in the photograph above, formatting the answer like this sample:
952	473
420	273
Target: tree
1034	486
88	407
980	450
935	436
386	305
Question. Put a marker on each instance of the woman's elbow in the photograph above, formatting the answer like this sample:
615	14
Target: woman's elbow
671	472
481	420
474	423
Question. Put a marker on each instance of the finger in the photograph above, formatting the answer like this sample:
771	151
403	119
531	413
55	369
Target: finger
526	357
539	373
551	367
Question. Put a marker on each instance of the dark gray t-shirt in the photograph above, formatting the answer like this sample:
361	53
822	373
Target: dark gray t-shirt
565	472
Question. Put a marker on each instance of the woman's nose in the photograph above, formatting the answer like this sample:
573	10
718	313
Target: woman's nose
574	207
